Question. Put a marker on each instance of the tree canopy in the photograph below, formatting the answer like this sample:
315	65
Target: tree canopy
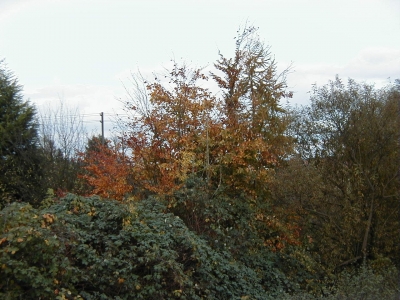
20	173
234	137
347	184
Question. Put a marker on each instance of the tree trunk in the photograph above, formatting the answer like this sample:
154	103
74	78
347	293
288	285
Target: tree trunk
367	230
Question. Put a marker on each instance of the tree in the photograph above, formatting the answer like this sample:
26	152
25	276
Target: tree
168	135
213	155
349	136
20	160
183	129
105	170
61	137
253	140
228	142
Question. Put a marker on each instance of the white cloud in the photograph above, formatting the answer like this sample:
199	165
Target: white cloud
372	65
10	7
375	63
88	97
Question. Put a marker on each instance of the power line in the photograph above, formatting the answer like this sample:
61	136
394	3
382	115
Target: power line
82	115
88	119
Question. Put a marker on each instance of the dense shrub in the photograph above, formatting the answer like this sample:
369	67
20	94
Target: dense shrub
240	226
86	247
367	283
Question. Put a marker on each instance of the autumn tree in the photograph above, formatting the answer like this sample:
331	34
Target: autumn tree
349	138
252	139
236	139
213	155
106	170
170	130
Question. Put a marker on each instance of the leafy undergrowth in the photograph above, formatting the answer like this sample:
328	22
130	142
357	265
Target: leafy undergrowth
88	248
91	249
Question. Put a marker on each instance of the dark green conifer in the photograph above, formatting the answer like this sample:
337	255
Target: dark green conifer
20	173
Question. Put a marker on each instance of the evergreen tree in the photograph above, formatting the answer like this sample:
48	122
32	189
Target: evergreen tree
20	174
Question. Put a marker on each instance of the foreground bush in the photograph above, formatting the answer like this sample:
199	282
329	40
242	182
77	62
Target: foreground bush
92	249
88	248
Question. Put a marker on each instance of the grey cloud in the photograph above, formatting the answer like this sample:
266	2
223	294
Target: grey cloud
372	65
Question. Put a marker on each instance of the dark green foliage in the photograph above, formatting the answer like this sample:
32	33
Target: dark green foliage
20	174
232	224
366	283
106	250
101	249
60	172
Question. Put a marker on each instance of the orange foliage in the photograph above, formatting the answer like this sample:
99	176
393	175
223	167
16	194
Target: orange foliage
186	130
235	138
107	172
168	142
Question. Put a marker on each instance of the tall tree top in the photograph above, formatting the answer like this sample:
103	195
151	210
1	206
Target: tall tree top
18	127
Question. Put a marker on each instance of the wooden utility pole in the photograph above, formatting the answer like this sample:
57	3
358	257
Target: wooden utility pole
102	127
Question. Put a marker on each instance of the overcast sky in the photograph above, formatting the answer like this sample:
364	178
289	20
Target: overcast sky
81	50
